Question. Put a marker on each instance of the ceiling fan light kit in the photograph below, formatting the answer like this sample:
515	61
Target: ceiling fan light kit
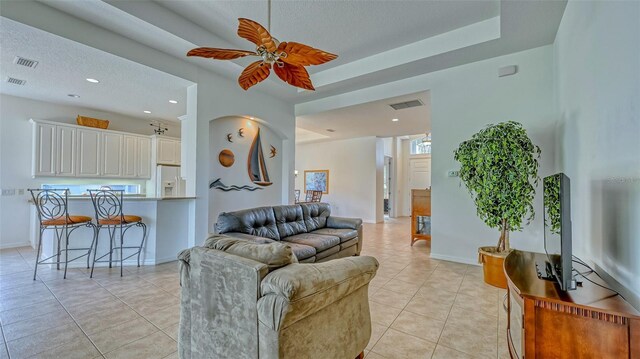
288	59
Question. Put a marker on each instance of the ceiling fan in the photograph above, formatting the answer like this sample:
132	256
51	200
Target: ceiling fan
287	59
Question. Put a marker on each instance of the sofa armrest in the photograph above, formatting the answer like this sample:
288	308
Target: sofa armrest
299	290
343	223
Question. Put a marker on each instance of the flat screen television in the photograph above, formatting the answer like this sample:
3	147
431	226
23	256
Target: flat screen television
557	230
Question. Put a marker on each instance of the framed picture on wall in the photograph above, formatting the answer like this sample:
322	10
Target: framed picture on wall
316	180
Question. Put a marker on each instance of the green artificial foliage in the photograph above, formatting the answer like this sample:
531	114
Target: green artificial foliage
499	167
552	203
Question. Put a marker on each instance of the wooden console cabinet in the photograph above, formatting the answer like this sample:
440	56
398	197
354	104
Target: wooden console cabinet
420	215
546	322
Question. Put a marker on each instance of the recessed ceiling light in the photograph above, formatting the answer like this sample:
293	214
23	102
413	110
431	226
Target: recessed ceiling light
395	120
146	111
93	81
173	101
73	95
330	130
252	118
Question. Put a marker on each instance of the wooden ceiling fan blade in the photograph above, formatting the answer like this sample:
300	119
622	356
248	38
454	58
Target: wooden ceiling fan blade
254	74
303	55
294	75
219	54
256	33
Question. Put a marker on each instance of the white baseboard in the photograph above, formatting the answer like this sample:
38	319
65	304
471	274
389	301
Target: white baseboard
15	245
455	259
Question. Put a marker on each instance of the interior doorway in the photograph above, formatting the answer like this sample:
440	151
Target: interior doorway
387	184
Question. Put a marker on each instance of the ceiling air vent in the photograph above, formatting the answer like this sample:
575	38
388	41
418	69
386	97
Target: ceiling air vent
16	81
25	62
407	104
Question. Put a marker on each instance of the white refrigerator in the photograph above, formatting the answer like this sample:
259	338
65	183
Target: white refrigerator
169	182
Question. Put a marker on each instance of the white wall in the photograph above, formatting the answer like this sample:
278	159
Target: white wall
597	65
464	100
237	174
16	155
353	174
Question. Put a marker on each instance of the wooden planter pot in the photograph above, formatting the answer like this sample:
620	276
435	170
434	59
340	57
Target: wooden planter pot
492	266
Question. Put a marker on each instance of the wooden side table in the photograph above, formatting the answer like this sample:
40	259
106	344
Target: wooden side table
420	215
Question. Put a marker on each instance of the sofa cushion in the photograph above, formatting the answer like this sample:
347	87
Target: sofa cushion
289	220
274	255
315	215
343	234
318	241
327	252
255	239
259	222
301	251
349	243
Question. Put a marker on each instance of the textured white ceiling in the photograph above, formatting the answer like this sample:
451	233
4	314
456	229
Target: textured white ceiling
384	41
125	87
369	119
352	29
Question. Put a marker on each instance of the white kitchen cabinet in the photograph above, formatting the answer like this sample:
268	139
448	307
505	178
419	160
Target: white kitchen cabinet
66	151
112	154
144	157
44	150
88	153
130	156
167	151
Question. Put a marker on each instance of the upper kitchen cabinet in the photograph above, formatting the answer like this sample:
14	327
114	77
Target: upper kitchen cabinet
44	149
77	151
66	145
167	150
144	157
136	160
112	154
88	154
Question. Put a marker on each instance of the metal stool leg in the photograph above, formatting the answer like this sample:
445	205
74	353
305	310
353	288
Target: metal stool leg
144	235
95	250
111	239
59	238
93	240
66	251
121	250
35	272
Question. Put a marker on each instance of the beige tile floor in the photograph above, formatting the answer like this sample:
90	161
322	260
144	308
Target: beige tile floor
420	307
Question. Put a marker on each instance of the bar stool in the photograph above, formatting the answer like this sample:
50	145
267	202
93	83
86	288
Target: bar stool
53	213
108	206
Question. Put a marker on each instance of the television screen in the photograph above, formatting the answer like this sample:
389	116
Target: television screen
557	228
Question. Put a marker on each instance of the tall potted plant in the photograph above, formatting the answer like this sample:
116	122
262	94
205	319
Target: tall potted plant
499	167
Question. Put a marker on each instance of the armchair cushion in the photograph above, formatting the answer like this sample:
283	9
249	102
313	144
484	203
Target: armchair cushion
274	255
299	290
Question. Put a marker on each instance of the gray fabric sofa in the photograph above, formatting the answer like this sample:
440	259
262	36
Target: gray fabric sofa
309	228
250	299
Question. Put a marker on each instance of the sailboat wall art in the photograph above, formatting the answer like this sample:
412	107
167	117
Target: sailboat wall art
257	167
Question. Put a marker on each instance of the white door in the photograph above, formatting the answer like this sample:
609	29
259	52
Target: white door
44	152
419	173
168	152
144	157
66	150
88	153
130	156
112	155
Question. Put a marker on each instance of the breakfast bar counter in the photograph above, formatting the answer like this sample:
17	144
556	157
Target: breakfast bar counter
167	221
